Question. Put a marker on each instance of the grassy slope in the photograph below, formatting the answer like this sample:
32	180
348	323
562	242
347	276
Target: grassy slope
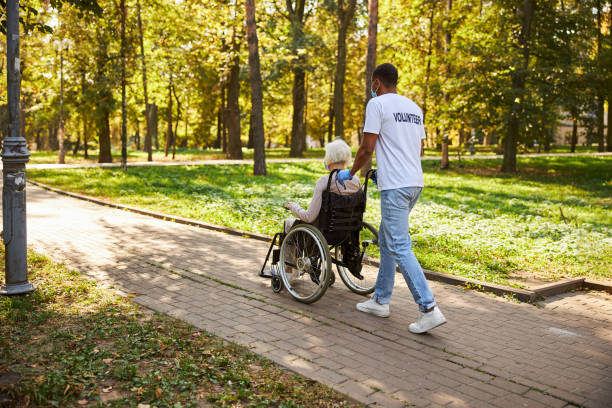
74	344
471	221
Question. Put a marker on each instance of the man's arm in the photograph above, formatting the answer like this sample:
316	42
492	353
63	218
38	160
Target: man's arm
364	154
422	147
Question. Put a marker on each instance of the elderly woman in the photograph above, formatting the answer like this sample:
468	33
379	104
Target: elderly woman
337	156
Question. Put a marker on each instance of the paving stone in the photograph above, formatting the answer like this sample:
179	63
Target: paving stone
210	280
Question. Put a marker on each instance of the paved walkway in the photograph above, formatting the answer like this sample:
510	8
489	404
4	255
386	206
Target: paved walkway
492	352
285	160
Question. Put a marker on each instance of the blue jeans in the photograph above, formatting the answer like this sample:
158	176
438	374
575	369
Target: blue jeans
396	248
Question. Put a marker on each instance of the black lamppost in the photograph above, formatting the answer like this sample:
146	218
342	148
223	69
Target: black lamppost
14	157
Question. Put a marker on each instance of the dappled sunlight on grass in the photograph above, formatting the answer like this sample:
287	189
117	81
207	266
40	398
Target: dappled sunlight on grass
550	221
71	343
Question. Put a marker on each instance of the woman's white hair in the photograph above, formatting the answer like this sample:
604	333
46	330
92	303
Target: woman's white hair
337	152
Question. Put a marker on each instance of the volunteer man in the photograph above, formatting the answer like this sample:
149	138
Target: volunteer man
394	128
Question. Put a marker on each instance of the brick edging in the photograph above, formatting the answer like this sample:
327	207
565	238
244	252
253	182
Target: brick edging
522	295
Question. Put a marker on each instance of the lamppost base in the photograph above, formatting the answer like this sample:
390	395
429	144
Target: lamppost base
20	289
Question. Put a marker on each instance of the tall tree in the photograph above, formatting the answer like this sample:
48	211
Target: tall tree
103	94
600	87
519	78
345	15
169	131
60	132
370	65
608	81
232	117
295	14
123	11
256	128
371	50
148	111
445	164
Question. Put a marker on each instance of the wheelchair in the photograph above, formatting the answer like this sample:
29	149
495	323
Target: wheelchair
302	258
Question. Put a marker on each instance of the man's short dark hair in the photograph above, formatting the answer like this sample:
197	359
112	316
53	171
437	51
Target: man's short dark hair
386	73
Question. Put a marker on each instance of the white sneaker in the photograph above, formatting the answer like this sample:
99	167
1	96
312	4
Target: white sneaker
373	307
427	321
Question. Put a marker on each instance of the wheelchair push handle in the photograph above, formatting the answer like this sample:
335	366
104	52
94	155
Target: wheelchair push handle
369	176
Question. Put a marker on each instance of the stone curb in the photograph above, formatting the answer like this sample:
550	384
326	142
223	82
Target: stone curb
522	295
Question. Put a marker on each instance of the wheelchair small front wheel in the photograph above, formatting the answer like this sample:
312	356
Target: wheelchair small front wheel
368	236
277	284
305	263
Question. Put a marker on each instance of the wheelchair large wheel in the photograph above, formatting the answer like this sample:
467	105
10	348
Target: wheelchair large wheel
369	235
305	263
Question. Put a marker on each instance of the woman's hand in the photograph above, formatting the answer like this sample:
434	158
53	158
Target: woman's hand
288	205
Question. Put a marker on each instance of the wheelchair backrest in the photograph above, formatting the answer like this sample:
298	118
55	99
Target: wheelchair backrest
341	216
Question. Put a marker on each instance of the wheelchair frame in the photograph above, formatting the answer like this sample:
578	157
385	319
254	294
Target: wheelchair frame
277	241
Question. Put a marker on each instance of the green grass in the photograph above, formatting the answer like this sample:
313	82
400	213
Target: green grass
470	221
72	344
46	156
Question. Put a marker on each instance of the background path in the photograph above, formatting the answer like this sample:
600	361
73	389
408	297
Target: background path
492	352
287	160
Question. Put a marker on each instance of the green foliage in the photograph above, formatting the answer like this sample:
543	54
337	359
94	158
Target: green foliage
471	222
464	88
72	342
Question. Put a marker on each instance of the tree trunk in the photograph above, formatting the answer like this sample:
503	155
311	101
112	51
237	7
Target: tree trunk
234	144
345	16
224	117
85	147
428	67
104	137
298	134
256	129
250	141
609	135
217	144
123	10
178	118
75	150
445	163
370	65
169	136
330	115
147	144
38	139
60	132
519	78
600	87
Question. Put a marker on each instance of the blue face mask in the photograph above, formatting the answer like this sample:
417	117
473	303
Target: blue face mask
326	167
374	95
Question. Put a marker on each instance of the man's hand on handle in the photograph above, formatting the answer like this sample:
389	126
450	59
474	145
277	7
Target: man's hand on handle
374	177
342	176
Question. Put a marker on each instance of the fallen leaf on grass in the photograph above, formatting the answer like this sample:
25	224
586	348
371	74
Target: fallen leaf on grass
67	388
82	402
107	360
143	406
196	334
107	389
158	392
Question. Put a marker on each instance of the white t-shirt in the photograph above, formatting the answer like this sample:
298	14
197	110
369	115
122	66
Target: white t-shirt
398	122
